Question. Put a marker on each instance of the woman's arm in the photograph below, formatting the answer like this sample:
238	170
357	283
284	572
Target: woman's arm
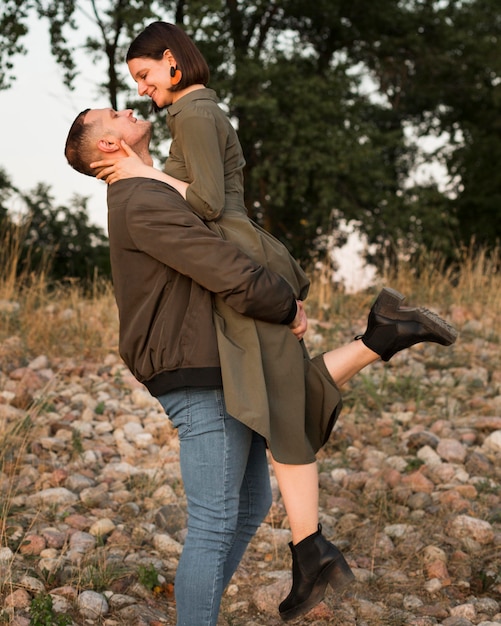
133	167
200	143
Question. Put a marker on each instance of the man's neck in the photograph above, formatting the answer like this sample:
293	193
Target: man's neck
145	156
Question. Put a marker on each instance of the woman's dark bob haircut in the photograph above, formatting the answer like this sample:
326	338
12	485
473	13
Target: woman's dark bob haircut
161	36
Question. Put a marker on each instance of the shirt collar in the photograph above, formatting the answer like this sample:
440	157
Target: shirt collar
192	96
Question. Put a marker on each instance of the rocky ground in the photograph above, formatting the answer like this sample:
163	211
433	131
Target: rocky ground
92	507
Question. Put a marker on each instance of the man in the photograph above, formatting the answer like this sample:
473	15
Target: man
166	264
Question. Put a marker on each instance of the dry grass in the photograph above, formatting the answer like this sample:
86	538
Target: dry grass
62	320
474	284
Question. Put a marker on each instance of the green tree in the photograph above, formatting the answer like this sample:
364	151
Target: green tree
112	25
472	97
13	27
60	240
6	190
444	77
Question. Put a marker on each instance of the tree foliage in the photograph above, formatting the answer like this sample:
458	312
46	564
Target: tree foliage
323	95
62	239
57	241
13	27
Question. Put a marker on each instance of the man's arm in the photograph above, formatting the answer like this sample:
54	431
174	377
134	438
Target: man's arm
163	225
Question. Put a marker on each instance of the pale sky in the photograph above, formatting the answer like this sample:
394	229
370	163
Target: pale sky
36	114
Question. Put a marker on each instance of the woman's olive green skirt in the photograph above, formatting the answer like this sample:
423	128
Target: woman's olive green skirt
269	381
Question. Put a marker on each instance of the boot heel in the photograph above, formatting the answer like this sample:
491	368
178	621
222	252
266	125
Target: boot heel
339	574
316	563
387	302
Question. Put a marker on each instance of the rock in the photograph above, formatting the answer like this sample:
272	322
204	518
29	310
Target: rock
77	482
423	438
18	599
19	620
82	542
119	471
451	450
39	363
419	500
171	517
55	496
166	545
409	491
492	442
32	584
457	621
418	483
119	601
32	545
464	526
433	553
489	606
92	605
464	610
97	496
60	604
142	399
131	430
102	527
486	422
267	597
412	603
477	464
165	495
438	570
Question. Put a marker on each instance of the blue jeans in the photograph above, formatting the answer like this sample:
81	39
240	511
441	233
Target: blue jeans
226	481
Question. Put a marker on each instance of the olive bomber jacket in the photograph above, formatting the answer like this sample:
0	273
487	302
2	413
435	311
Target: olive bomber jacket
166	264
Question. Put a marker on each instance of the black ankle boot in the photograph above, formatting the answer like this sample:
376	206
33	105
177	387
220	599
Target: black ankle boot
392	328
315	563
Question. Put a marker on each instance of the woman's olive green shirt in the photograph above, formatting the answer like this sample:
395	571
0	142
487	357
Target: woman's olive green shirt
269	381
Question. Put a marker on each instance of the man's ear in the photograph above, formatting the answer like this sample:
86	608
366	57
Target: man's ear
109	145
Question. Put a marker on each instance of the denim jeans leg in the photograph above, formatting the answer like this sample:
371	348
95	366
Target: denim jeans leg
254	504
214	453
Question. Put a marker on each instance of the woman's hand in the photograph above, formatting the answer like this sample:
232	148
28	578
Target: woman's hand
123	167
300	323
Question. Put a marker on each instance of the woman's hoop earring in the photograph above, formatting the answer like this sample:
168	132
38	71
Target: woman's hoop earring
175	74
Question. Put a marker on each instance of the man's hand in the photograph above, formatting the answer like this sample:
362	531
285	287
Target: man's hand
123	167
300	323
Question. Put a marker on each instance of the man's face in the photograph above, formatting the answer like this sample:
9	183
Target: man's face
122	125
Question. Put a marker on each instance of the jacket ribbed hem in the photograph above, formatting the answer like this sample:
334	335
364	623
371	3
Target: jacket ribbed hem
187	377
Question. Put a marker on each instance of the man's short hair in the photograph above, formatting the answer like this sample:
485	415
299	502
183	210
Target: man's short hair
79	149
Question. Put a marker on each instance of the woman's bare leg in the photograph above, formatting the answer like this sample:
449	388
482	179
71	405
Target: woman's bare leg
390	329
344	362
299	483
298	486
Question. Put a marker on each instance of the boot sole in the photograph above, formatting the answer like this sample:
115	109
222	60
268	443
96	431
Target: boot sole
337	575
388	305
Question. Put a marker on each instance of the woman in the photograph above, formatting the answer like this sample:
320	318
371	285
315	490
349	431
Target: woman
269	382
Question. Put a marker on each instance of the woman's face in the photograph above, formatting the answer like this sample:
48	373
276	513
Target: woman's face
153	79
